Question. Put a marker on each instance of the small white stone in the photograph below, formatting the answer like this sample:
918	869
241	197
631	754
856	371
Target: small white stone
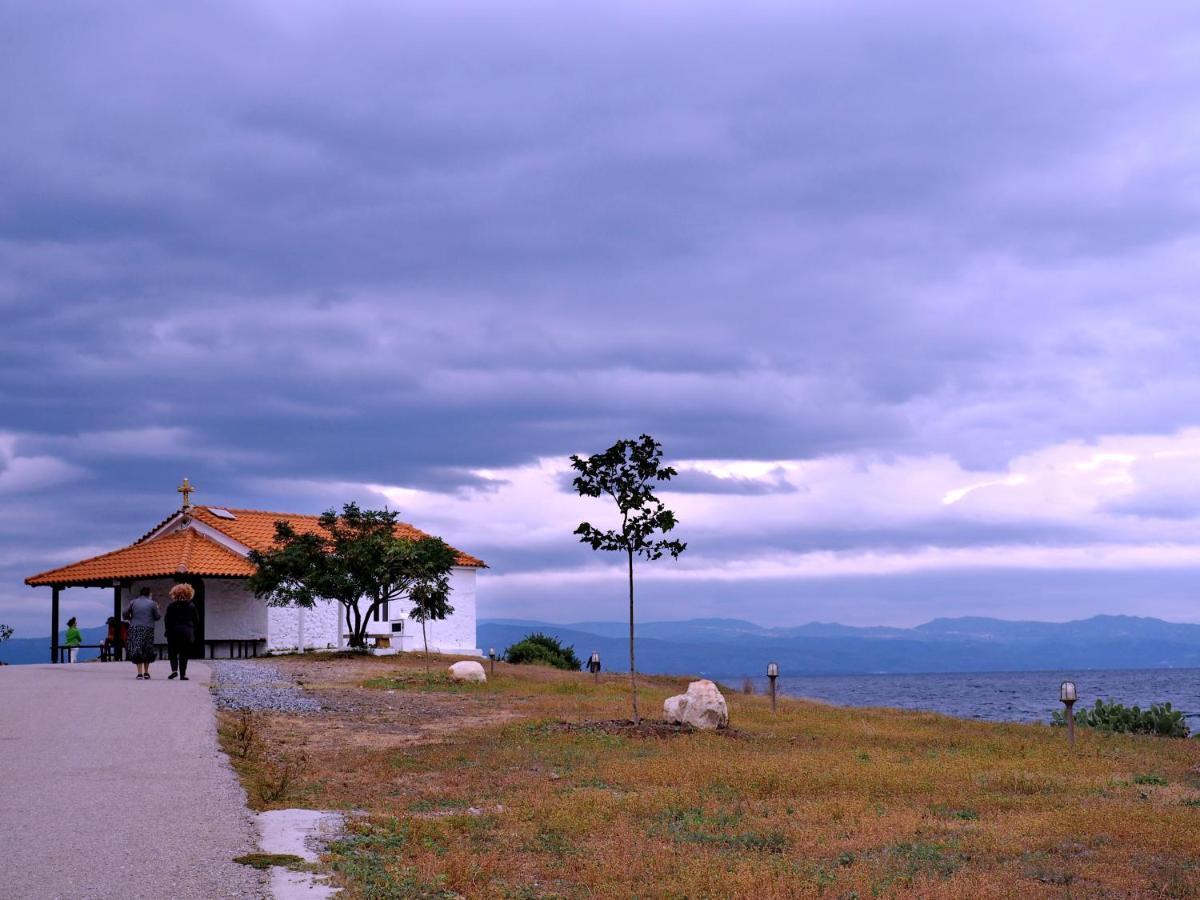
467	671
701	707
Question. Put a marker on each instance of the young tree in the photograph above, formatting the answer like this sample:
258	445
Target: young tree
430	601
357	559
628	471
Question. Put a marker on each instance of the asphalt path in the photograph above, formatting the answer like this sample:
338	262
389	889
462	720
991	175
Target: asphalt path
115	788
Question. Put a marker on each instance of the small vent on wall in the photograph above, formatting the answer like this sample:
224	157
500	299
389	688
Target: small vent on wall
221	513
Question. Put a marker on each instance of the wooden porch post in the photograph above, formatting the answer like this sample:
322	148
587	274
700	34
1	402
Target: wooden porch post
54	624
117	650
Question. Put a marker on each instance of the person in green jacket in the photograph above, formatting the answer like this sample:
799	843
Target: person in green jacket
74	639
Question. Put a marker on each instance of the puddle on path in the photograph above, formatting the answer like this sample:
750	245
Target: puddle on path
299	832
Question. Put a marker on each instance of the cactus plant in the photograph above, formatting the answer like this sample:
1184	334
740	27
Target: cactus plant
1114	717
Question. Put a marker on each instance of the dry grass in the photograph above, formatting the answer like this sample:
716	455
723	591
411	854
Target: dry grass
479	791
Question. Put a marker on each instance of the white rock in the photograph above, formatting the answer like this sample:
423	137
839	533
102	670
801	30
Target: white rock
467	671
298	832
673	707
701	707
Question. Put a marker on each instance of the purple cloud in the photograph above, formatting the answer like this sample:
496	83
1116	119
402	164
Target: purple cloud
402	247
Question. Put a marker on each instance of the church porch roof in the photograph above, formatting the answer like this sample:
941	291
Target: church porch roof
185	552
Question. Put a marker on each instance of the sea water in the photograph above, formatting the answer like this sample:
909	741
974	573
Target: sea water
998	696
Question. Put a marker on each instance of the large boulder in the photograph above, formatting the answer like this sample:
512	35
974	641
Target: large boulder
701	707
467	671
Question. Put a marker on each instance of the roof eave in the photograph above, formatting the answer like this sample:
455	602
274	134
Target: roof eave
38	581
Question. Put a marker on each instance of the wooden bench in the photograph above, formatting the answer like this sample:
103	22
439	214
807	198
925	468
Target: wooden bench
238	648
64	650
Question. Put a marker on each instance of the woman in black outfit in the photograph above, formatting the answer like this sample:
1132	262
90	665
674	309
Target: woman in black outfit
180	624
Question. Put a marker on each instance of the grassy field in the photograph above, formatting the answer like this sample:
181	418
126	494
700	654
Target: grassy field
506	790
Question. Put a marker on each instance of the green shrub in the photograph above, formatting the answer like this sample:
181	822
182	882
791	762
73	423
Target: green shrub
1149	779
1159	719
542	650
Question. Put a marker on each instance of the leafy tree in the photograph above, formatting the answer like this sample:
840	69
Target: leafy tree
628	472
5	633
543	650
357	559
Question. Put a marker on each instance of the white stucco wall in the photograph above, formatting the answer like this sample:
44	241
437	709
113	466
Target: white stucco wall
289	628
232	612
454	634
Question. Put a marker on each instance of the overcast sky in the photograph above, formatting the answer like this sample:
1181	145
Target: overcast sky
909	292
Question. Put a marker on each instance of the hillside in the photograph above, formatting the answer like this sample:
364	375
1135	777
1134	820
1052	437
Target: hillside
731	648
534	784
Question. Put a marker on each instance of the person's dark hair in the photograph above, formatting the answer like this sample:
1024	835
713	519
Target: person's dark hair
144	592
71	622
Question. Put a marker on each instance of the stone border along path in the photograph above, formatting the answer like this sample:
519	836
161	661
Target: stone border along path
240	684
115	788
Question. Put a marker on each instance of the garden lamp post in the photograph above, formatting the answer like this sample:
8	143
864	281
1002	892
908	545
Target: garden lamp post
492	657
594	665
1068	695
772	673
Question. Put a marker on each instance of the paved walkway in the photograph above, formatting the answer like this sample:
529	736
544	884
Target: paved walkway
114	788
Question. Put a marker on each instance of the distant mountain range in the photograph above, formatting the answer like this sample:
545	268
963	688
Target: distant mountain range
728	648
19	651
732	648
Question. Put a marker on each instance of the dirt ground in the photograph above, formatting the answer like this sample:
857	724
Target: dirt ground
377	717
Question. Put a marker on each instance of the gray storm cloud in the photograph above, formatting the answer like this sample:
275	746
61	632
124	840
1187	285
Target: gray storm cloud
398	245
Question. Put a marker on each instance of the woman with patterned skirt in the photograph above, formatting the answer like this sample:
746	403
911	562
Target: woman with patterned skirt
142	613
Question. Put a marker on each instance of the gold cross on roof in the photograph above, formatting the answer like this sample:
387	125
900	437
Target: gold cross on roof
186	489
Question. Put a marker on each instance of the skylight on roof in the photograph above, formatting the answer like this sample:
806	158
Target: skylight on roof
221	513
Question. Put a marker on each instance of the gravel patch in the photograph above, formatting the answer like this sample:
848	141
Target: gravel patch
246	684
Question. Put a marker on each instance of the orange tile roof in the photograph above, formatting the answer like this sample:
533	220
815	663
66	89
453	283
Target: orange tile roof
180	552
255	528
187	550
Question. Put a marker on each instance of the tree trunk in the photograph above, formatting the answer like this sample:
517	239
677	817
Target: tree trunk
632	670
